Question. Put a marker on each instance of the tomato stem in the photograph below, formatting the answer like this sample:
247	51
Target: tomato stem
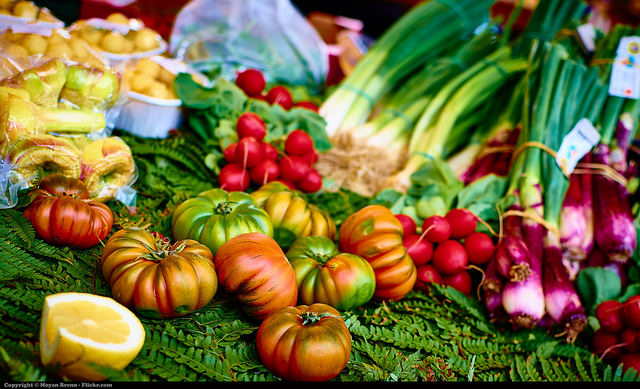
312	318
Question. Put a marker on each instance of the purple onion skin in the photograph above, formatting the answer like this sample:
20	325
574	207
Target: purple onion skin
524	301
561	299
512	255
615	234
491	287
497	162
576	221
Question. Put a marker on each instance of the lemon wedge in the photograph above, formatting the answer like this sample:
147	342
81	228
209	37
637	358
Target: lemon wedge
81	329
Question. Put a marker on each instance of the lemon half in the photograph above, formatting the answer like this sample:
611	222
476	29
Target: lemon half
80	329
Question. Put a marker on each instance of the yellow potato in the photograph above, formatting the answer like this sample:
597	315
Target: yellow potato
113	42
17	51
167	77
91	35
12	36
56	38
149	67
128	47
78	48
146	39
59	50
25	9
5	3
117	18
157	90
35	44
5	12
140	82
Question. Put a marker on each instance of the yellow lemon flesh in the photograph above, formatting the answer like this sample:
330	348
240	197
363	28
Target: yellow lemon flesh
81	329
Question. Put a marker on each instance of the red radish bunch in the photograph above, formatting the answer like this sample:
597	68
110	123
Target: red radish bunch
618	338
251	159
446	248
253	84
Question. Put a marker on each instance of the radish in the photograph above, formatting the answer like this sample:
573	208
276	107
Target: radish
460	281
280	95
265	171
631	312
463	222
286	183
479	247
426	275
408	224
609	315
450	257
293	169
229	153
248	152
630	361
250	124
311	183
298	143
606	344
307	105
269	151
437	229
310	157
418	248
251	81
629	337
233	178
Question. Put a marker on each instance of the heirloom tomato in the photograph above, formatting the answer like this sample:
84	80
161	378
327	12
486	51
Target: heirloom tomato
327	276
158	278
375	234
304	343
254	267
215	216
61	213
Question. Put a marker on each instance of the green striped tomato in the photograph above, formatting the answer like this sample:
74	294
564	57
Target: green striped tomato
327	276
215	216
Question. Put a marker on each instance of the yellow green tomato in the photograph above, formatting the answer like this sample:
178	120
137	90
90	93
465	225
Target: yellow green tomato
215	216
325	275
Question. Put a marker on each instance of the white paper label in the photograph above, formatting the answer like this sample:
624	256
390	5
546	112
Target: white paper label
576	144
587	34
625	71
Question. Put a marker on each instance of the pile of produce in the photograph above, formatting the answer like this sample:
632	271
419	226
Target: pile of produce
421	221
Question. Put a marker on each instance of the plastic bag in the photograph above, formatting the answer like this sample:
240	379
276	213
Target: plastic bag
270	35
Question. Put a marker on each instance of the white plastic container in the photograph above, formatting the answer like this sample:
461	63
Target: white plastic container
7	21
149	117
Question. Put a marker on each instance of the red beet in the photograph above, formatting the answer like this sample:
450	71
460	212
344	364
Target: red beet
233	178
250	124
418	248
460	281
409	226
631	312
438	228
265	171
248	152
629	336
269	151
450	257
298	143
280	95
426	275
311	183
480	247
630	361
462	221
605	342
609	315
229	153
251	81
292	168
307	105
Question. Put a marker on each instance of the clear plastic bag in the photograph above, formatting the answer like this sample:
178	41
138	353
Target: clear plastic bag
270	35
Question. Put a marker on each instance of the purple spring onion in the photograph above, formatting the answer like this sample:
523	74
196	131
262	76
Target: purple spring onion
561	299
623	133
615	234
576	222
512	258
524	301
494	160
491	288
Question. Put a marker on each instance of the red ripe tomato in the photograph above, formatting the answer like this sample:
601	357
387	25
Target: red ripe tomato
155	277
254	267
62	213
304	343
